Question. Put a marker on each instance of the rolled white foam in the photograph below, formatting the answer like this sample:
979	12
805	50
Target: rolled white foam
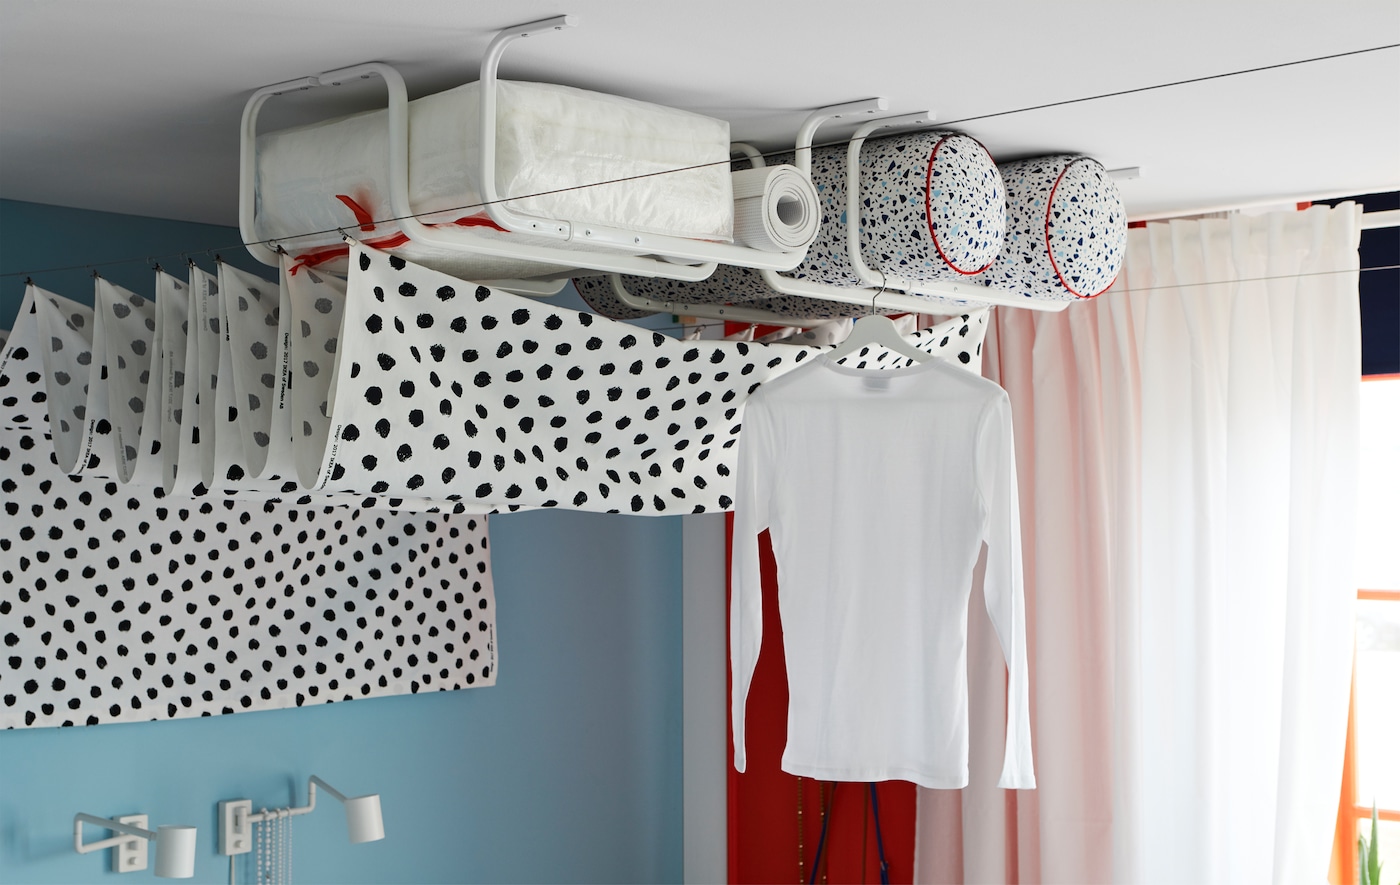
775	209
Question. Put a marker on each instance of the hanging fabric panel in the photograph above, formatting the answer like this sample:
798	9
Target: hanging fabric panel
77	417
256	327
464	393
126	324
317	305
172	305
121	604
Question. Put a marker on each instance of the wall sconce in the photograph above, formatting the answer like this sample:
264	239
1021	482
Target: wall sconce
363	817
174	845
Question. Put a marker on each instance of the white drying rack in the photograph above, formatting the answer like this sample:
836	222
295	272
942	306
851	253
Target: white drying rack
606	249
879	291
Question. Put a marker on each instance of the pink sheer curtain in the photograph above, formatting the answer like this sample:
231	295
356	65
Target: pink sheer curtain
1186	452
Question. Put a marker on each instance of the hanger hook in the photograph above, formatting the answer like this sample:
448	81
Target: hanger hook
878	293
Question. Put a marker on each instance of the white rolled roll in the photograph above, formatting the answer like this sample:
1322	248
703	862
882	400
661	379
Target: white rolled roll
776	209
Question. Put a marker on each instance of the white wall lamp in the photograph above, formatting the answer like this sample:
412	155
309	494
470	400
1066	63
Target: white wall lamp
174	844
363	816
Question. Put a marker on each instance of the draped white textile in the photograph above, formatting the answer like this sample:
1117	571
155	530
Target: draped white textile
1187	462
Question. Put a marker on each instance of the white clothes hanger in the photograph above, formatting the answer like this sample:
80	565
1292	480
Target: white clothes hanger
877	329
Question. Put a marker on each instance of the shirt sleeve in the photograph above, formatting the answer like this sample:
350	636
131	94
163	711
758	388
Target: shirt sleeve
1002	586
746	590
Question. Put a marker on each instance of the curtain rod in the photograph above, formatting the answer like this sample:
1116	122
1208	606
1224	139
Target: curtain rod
1369	220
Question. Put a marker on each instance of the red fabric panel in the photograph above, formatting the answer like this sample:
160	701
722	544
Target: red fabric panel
765	844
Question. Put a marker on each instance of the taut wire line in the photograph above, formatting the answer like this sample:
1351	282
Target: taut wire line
767	155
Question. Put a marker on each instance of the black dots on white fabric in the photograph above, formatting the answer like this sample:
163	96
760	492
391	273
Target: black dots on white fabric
127	326
317	305
119	603
256	323
173	324
407	389
196	452
537	406
78	421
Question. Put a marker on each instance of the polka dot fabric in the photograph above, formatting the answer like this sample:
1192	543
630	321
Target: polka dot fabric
455	391
120	604
196	456
318	306
77	416
1066	229
252	311
172	307
127	326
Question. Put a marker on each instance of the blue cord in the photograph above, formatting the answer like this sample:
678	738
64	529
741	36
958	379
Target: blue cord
879	839
821	842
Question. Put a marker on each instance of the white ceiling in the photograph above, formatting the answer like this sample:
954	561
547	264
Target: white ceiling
133	106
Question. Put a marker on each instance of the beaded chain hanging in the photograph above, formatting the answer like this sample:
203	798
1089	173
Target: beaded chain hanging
273	848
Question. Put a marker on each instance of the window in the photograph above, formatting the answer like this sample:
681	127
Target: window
1372	765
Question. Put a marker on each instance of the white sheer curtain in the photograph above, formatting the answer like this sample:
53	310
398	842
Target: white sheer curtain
1187	449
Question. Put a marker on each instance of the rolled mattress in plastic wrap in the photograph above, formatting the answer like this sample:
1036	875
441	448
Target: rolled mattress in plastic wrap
1066	229
554	146
932	207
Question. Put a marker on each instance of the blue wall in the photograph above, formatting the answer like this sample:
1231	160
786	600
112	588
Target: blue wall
569	769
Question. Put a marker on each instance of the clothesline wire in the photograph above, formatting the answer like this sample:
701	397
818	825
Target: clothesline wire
1208	77
272	241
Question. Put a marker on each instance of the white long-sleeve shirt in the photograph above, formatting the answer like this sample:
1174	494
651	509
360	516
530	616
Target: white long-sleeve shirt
879	487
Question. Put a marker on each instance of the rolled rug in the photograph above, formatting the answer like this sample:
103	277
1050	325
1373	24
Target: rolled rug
1066	229
932	207
776	208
